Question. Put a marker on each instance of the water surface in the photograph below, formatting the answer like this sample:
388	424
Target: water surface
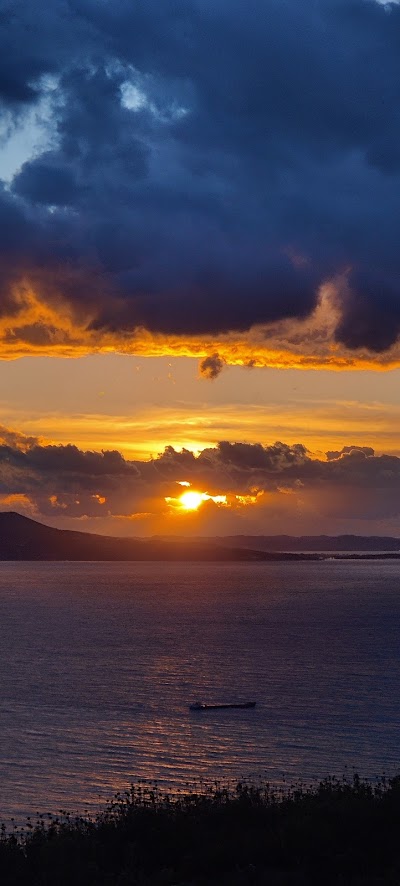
99	662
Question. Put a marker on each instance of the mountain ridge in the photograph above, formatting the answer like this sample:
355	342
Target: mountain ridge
22	538
321	543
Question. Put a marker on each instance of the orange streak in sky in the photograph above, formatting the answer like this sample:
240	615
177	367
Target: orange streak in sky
53	327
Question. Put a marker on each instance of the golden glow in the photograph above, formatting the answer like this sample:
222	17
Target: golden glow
53	327
320	424
18	500
192	500
247	499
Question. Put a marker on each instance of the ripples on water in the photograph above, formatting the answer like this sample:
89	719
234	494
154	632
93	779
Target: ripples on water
98	663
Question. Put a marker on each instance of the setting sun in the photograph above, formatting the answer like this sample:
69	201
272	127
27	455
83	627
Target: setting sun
191	500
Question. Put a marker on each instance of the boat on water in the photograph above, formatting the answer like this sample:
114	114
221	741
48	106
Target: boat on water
202	706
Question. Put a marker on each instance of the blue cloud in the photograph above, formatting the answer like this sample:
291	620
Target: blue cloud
197	147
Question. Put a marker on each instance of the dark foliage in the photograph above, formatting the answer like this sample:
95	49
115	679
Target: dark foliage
336	833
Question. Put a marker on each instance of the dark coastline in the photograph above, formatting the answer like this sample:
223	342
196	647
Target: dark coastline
24	539
335	833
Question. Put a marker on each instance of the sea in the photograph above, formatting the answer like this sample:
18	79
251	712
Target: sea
99	663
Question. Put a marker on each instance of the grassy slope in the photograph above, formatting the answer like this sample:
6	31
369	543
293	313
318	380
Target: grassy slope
337	833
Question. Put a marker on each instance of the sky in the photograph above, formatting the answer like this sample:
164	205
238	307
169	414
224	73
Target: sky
199	265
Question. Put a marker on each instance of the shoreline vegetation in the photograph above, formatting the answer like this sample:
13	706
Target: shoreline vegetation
337	832
24	539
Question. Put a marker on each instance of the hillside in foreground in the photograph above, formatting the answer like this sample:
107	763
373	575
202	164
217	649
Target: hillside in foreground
336	833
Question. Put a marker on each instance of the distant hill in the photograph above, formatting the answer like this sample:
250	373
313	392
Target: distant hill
312	542
24	539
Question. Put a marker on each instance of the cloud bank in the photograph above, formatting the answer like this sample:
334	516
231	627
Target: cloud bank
217	177
258	488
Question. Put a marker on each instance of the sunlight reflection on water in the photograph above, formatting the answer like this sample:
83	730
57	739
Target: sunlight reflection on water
99	663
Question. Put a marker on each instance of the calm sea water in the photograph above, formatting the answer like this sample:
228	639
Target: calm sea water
99	662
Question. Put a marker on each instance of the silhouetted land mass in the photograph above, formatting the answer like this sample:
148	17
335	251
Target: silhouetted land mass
24	539
314	542
337	833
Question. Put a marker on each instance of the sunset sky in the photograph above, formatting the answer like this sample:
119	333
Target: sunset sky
199	265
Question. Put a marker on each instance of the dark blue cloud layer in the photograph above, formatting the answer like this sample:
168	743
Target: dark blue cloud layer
64	481
211	162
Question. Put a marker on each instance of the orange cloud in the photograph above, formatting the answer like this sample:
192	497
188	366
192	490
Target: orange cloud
237	487
43	326
319	423
20	501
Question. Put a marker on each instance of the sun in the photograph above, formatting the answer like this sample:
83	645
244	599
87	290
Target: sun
191	500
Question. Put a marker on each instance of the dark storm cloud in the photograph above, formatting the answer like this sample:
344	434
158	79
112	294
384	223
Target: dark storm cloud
238	467
253	455
211	367
68	462
65	481
211	162
346	450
